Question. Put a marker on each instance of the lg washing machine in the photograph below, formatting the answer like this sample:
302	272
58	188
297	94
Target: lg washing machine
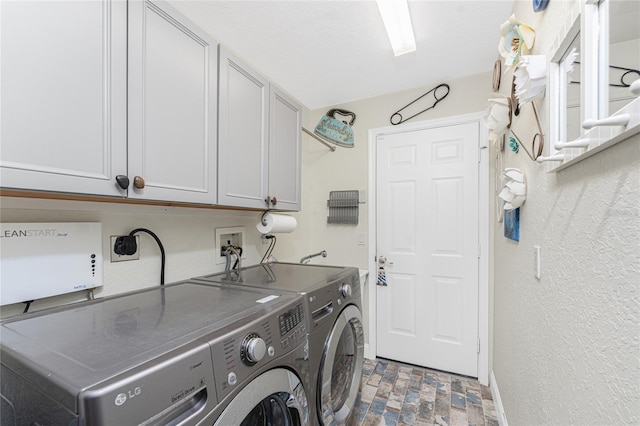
182	354
331	296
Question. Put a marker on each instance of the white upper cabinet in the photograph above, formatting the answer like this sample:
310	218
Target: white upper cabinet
63	103
258	140
242	138
172	106
120	98
285	122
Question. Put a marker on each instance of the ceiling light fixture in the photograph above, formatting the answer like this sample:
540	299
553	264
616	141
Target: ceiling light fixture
395	15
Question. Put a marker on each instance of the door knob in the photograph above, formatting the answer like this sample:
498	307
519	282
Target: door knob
274	201
122	181
382	262
138	182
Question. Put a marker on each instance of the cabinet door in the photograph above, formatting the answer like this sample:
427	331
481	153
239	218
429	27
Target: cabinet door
172	106
243	137
285	121
63	103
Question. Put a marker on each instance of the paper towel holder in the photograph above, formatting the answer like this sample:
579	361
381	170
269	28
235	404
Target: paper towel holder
263	221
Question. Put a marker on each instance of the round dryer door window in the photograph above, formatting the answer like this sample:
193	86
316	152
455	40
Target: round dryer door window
341	368
275	398
274	410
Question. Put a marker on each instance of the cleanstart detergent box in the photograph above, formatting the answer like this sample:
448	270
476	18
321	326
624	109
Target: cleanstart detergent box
40	260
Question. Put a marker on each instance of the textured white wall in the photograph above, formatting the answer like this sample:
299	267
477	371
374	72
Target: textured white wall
567	346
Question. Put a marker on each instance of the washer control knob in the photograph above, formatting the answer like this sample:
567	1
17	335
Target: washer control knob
253	349
345	290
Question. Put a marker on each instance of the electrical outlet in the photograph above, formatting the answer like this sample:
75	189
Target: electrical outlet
121	257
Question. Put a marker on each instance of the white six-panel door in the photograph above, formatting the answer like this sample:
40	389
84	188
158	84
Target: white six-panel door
427	229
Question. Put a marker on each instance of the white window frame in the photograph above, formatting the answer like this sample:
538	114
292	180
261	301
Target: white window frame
591	19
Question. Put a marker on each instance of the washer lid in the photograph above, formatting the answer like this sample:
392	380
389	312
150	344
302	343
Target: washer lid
80	345
291	277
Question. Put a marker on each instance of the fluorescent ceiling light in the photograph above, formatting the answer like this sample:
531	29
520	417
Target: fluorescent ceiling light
395	15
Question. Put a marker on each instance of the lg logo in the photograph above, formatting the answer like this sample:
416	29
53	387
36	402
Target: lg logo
121	398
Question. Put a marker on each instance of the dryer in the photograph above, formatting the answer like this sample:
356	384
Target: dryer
334	323
181	354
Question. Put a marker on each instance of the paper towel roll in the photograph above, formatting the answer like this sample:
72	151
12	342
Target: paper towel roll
272	223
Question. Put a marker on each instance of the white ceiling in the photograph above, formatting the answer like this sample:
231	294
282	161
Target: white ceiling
330	52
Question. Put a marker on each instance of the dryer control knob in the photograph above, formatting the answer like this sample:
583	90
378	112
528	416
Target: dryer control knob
254	349
345	290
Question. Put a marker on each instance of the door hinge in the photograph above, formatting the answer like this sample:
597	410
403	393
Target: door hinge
478	345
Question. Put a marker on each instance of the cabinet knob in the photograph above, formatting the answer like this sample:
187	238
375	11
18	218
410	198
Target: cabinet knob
122	181
271	201
138	182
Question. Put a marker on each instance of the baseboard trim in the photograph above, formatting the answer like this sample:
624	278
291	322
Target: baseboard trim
497	402
368	352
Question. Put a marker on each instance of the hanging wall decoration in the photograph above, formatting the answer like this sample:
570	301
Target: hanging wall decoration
530	78
514	190
497	118
540	5
438	93
512	224
513	145
516	39
333	129
513	195
497	75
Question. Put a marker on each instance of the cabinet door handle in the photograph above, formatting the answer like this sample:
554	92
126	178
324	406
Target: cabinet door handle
122	181
274	200
138	182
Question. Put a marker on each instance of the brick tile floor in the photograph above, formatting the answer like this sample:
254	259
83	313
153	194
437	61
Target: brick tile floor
395	394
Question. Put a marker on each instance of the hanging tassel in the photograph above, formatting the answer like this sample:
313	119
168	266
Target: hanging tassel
382	277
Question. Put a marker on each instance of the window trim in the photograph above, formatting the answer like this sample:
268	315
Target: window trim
591	19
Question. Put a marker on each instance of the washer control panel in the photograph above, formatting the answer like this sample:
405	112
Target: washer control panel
243	351
290	319
292	327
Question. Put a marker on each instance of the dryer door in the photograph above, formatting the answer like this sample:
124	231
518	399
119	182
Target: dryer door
276	397
341	368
